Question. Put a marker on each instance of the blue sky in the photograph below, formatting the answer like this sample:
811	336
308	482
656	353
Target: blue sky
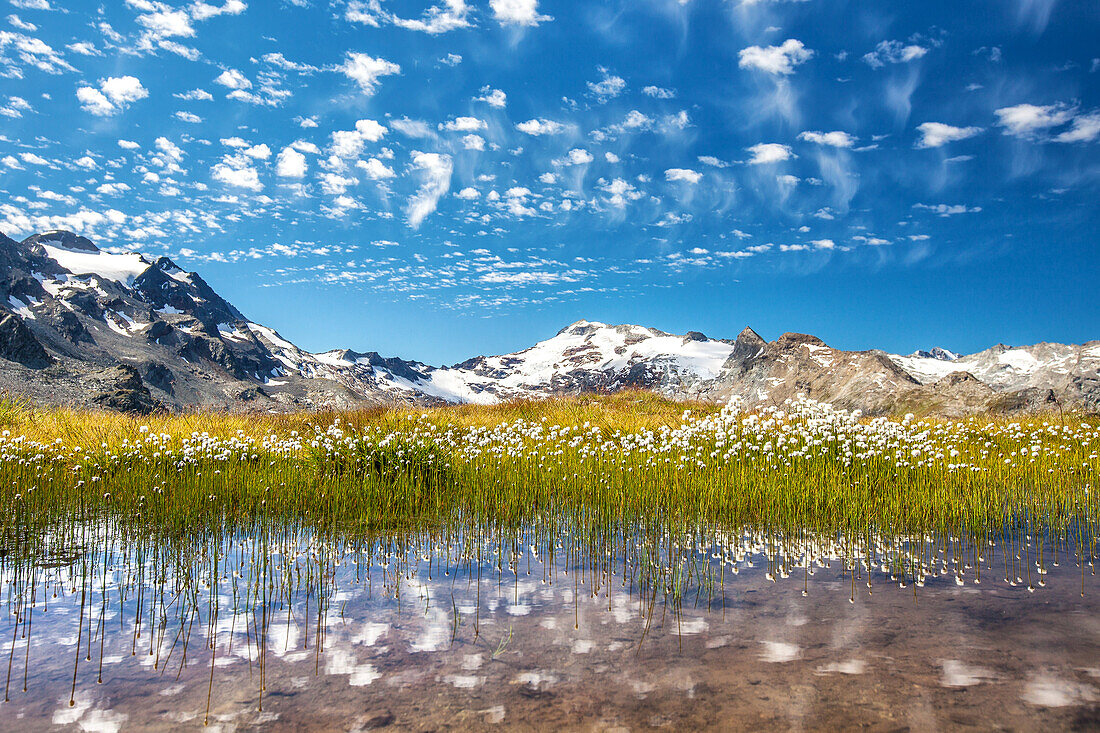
438	180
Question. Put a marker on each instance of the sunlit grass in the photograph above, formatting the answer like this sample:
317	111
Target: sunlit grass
628	457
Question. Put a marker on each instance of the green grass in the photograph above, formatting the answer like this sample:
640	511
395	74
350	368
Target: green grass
626	458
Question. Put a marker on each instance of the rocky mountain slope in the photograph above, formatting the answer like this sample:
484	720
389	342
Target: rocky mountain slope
82	326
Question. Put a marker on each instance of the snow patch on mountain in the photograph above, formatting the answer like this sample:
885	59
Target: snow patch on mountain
121	268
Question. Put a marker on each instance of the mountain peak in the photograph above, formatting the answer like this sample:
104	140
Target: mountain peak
749	345
936	352
791	339
750	336
62	239
582	327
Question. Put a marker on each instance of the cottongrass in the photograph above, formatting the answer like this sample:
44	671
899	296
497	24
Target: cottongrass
802	466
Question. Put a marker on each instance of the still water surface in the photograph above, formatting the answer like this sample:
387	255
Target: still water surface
550	631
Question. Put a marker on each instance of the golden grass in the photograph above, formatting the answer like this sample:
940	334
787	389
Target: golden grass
629	410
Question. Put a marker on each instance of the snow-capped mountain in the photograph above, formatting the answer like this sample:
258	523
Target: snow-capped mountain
79	325
936	352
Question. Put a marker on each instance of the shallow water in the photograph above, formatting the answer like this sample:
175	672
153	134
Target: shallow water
549	633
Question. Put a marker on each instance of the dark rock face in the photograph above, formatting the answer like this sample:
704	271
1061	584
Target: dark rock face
157	375
961	379
794	340
250	394
397	367
66	323
126	393
748	346
18	344
241	364
66	240
161	333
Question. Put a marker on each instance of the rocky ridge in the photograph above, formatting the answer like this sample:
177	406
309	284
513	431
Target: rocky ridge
82	326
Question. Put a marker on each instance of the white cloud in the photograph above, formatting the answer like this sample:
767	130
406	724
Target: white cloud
190	117
370	130
823	244
128	145
576	156
635	120
836	138
607	88
611	157
290	164
365	70
1028	120
449	16
763	153
122	90
463	124
948	209
94	101
21	24
31	4
115	94
346	144
492	97
112	189
238	177
278	60
32	52
778	60
473	142
368	12
86	162
84	48
678	121
436	171
350	143
169	151
682	174
202	11
258	152
1086	128
937	134
893	52
195	95
468	194
375	169
451	59
619	192
233	79
517	12
516	201
658	92
333	184
713	162
164	22
540	126
304	146
411	128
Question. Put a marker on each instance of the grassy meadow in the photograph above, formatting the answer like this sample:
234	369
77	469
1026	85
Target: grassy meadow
607	460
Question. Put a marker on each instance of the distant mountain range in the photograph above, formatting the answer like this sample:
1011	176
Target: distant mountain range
81	326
